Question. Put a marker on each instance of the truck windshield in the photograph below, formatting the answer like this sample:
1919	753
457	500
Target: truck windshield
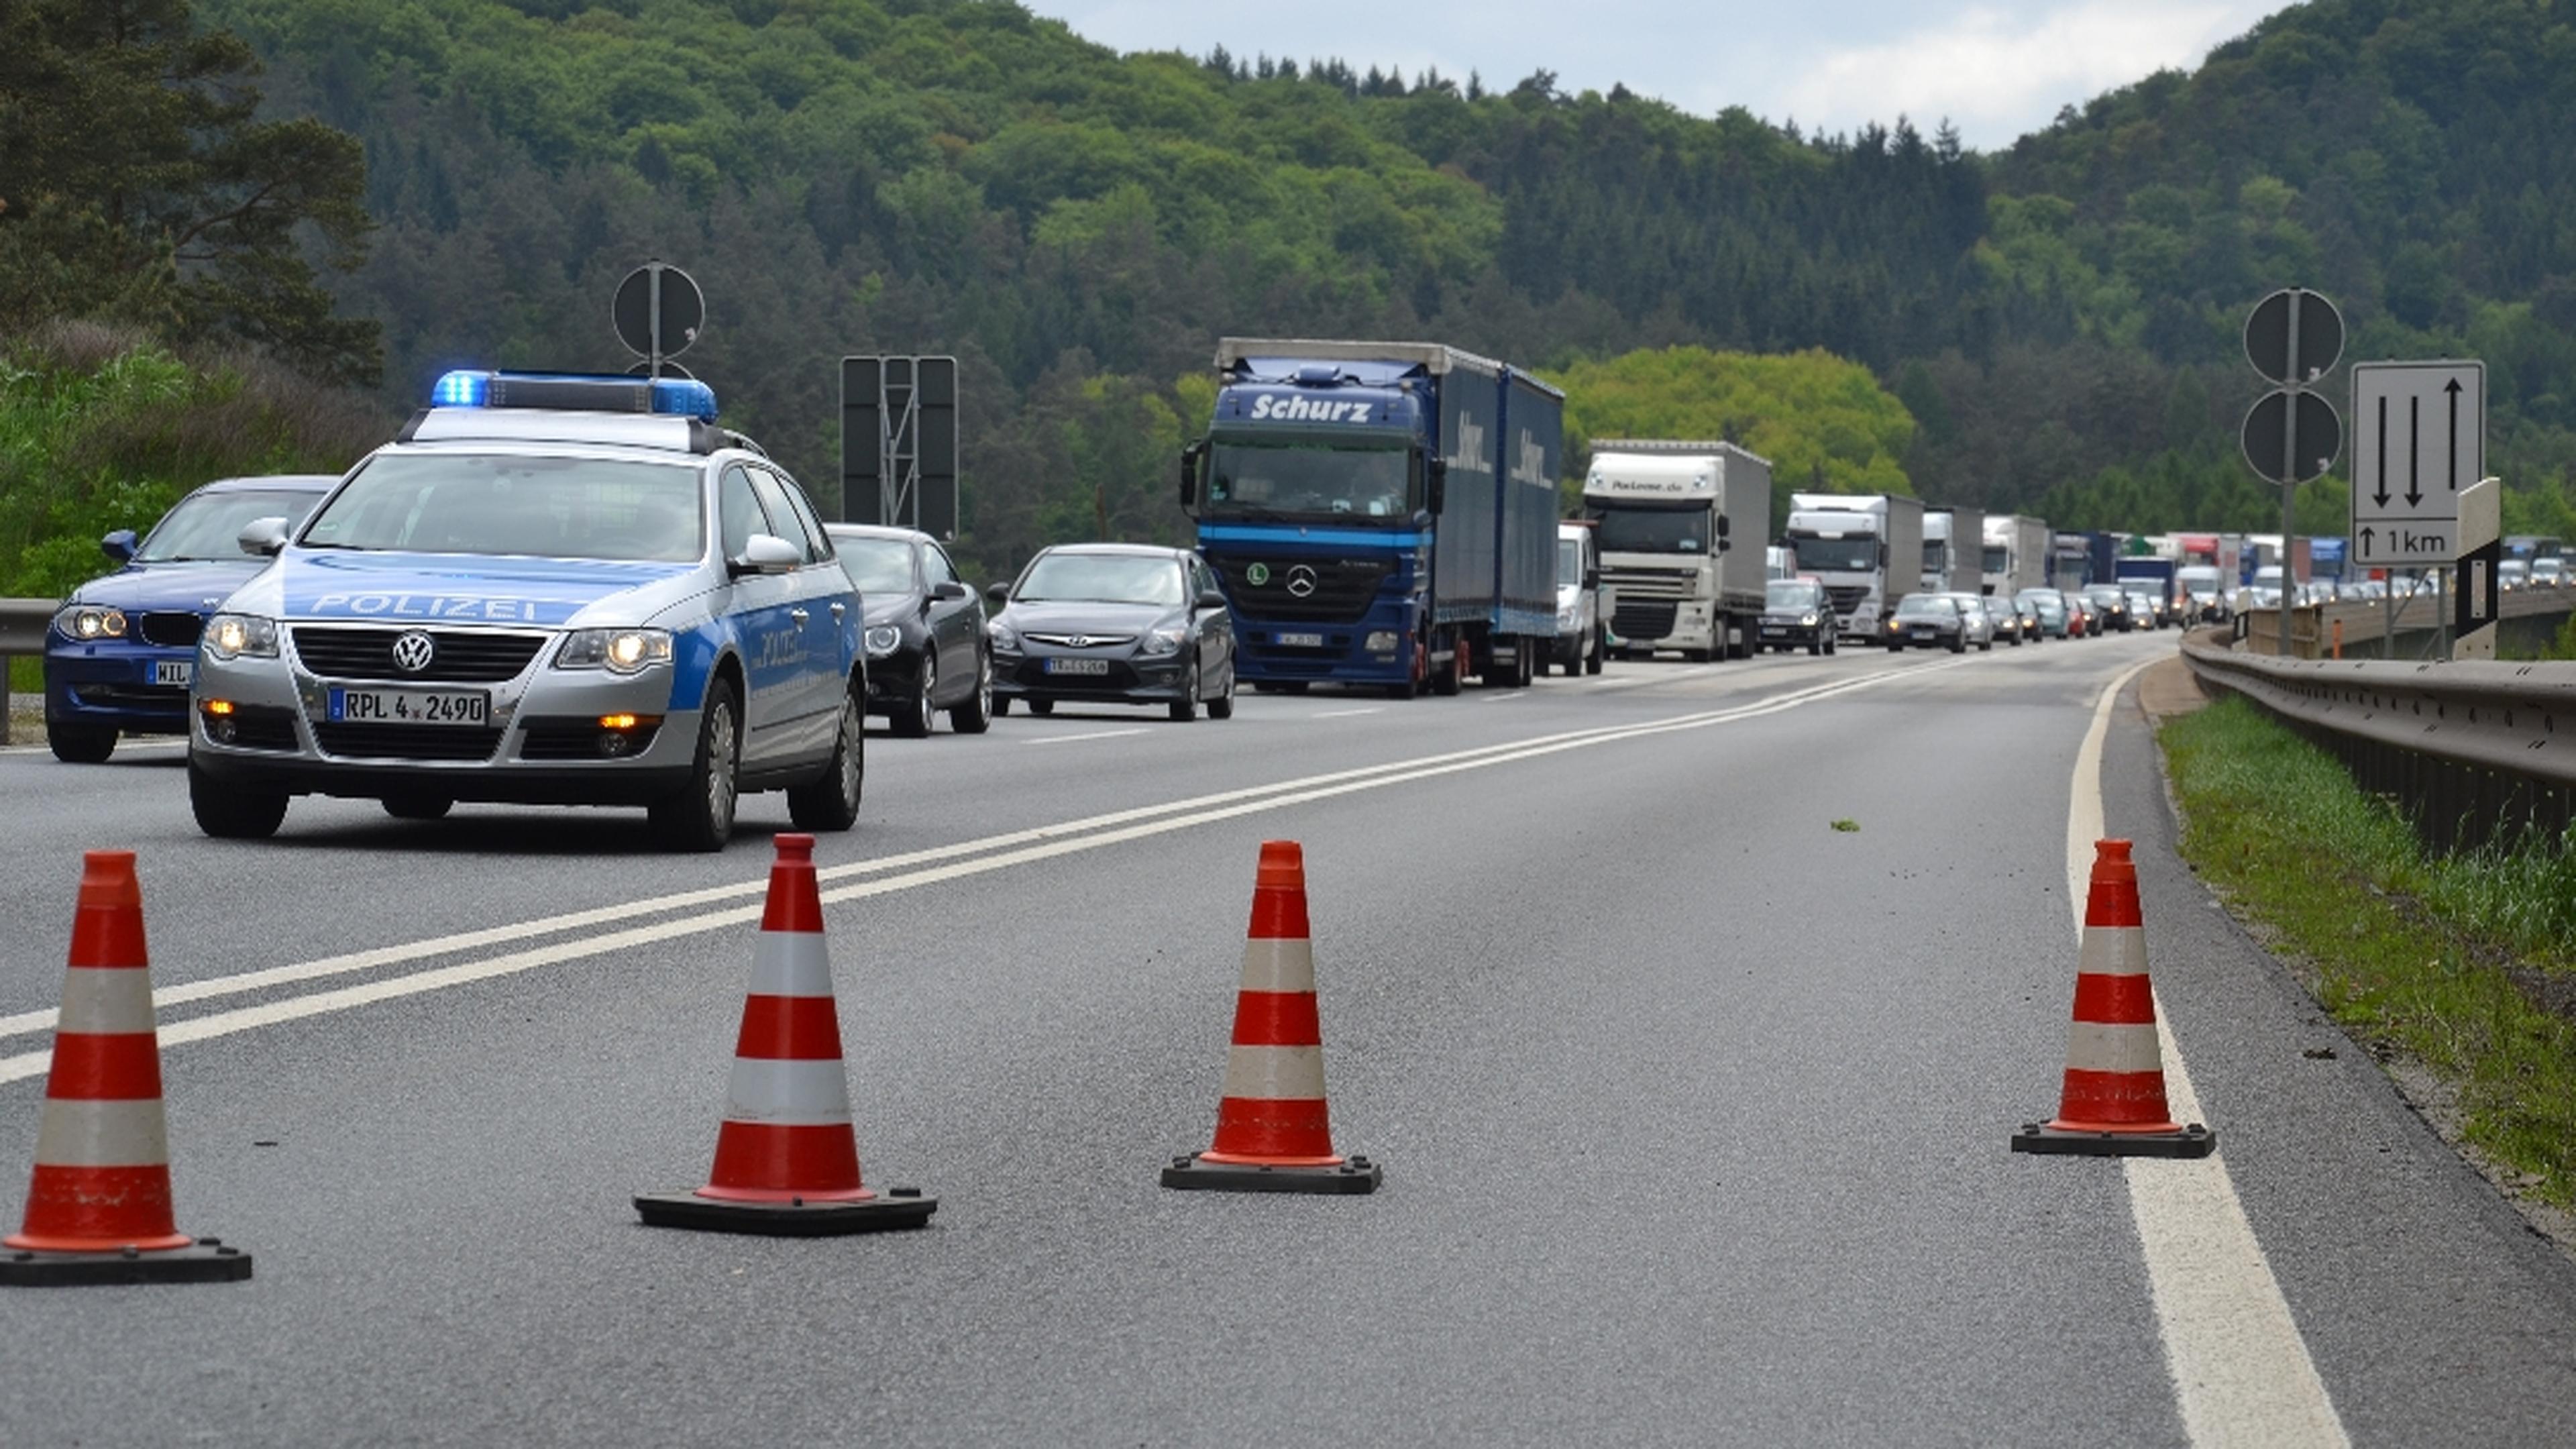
1936	556
1836	555
1995	561
1653	530
1309	479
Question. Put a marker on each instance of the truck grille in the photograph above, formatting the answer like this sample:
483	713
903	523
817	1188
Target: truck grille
172	629
1642	619
1651	583
1847	597
461	656
405	742
1340	593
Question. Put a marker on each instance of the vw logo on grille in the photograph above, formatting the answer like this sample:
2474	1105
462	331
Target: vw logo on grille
1301	581
413	651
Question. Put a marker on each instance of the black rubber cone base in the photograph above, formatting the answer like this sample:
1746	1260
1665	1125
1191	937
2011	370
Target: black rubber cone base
1355	1176
2192	1141
206	1260
902	1207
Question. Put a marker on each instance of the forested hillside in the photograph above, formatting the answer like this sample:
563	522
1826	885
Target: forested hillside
2059	321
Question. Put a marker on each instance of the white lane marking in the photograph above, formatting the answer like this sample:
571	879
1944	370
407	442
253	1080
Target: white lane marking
1348	713
1228	805
1502	698
1093	735
123	747
2241	1372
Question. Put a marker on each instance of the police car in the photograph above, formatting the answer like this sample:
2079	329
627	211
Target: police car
547	590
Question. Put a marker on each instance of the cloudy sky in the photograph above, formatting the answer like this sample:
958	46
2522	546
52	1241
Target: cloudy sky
1996	68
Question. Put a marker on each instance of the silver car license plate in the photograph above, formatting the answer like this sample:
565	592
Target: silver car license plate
1298	641
1077	666
173	671
409	706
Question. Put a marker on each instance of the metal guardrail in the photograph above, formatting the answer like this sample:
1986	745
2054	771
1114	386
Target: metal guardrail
2473	751
22	631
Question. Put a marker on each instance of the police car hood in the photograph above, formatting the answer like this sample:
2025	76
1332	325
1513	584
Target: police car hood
192	586
417	588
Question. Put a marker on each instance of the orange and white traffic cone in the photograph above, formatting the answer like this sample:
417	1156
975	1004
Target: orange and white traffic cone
787	1158
1273	1131
99	1208
2113	1103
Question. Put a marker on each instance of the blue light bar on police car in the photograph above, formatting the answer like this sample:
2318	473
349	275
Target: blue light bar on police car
576	392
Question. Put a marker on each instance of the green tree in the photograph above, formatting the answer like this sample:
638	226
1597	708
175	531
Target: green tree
137	183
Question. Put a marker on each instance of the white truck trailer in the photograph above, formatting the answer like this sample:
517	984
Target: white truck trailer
2016	554
1865	548
1681	527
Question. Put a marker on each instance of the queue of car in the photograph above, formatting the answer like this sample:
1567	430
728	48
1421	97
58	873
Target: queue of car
579	590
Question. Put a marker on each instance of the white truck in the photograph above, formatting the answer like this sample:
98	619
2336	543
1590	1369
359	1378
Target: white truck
2016	554
1681	528
1865	548
1950	566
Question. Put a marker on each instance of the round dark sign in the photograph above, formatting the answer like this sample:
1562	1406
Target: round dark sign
2320	436
683	310
2267	337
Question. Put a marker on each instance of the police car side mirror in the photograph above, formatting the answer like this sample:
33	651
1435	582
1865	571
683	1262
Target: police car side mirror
118	545
262	536
765	553
947	590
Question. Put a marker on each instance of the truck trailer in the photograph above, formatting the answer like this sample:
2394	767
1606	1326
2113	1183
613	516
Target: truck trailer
1951	565
1682	528
2015	554
1865	548
1380	513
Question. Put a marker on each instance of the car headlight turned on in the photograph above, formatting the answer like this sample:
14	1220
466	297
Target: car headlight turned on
1164	641
1806	621
619	651
88	621
882	640
235	636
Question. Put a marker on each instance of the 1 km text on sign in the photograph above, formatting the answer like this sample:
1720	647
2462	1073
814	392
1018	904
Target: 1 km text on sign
2419	439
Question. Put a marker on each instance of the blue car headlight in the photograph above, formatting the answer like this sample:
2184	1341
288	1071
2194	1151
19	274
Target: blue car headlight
86	622
619	651
235	636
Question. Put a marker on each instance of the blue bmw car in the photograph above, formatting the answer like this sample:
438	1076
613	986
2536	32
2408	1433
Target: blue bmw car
123	650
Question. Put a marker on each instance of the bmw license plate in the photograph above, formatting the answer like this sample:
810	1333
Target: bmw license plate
173	671
409	706
1298	641
1077	666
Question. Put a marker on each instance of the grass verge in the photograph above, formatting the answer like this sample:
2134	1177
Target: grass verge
2450	960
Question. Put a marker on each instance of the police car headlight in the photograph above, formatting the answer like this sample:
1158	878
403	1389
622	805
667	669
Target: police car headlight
619	651
882	640
1164	641
234	636
88	621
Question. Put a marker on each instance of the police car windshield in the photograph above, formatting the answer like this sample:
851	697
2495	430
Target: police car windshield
1102	579
207	528
514	504
1307	480
878	565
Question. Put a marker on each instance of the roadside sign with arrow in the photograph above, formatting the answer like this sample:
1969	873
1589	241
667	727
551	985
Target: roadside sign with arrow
2419	438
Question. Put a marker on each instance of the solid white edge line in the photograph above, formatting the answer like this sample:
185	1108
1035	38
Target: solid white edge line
2242	1375
1093	735
1248	802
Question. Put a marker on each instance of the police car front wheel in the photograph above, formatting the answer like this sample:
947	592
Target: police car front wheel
699	816
234	812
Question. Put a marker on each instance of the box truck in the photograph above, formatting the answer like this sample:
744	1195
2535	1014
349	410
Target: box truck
1682	528
1865	548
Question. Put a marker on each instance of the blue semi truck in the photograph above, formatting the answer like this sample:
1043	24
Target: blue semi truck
1381	514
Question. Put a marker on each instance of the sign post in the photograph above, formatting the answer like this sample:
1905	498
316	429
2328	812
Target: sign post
899	443
2481	552
2292	434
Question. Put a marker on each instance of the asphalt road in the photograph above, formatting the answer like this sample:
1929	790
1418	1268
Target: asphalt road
1693	1108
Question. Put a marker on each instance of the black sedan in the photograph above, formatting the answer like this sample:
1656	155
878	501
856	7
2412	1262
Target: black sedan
1796	614
1929	621
2110	605
925	630
1114	623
